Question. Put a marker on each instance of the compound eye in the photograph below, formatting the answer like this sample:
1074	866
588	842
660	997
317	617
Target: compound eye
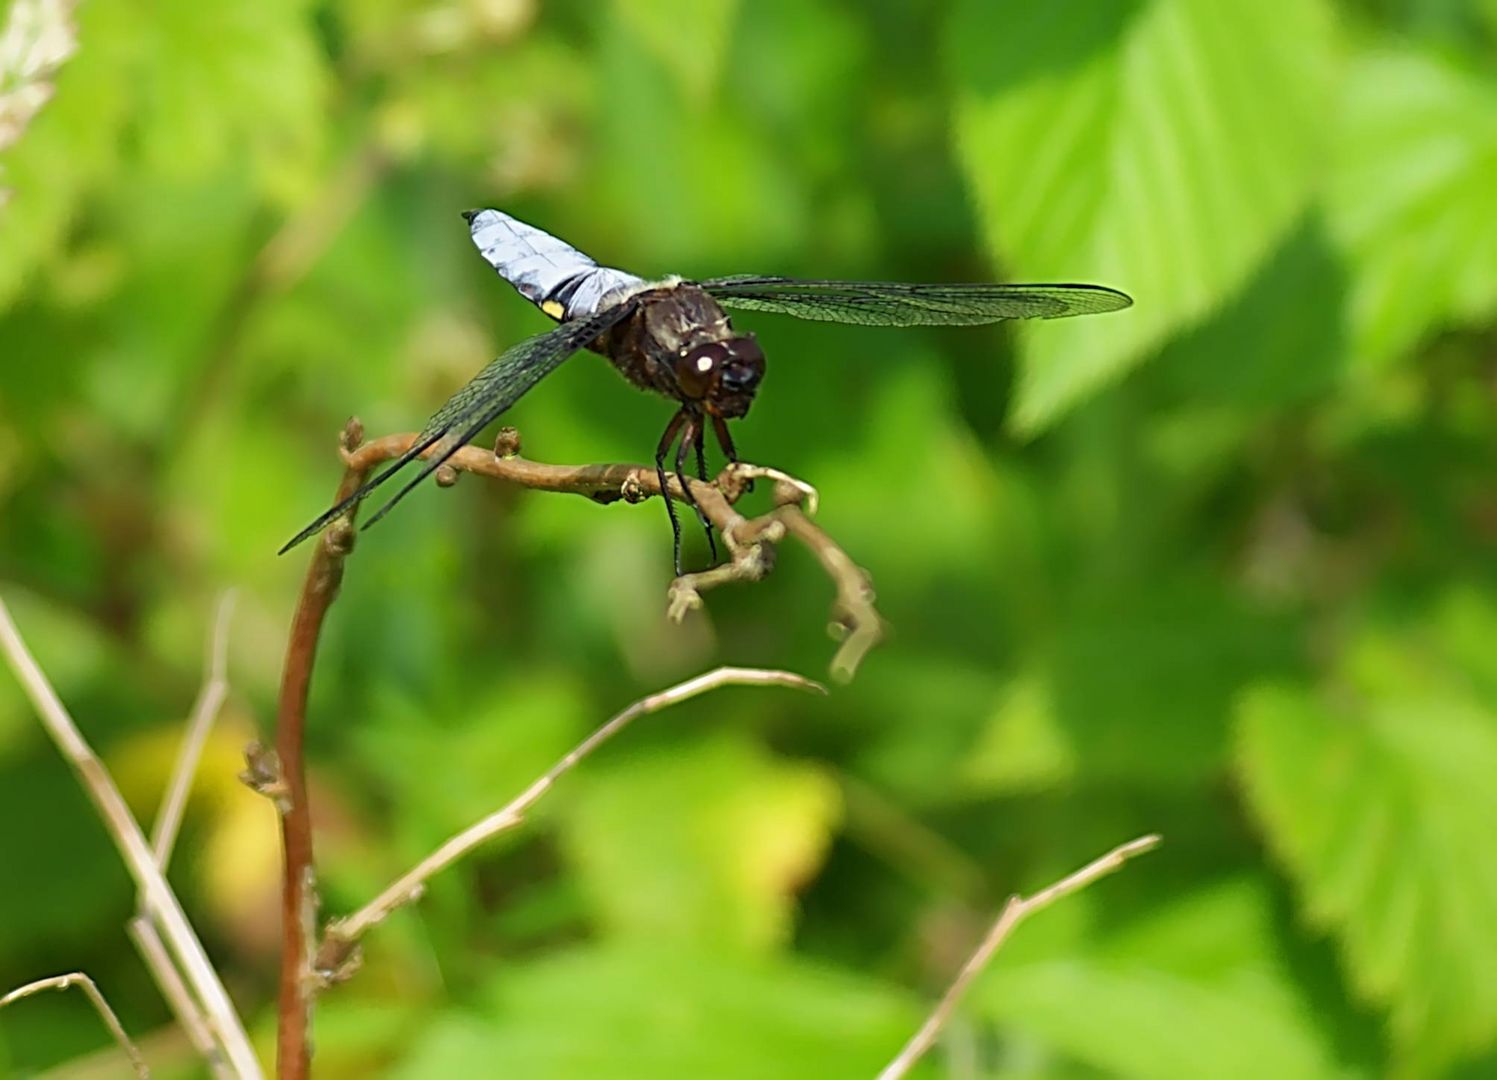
745	366
698	367
737	376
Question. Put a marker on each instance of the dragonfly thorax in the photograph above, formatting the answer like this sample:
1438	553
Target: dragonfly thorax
678	342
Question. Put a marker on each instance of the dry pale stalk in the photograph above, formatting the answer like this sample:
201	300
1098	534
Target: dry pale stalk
338	952
96	999
140	861
205	709
1014	912
142	930
178	994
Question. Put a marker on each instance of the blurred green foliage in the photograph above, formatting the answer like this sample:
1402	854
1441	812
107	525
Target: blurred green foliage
1218	567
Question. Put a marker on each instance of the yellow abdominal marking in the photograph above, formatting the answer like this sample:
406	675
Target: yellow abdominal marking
553	309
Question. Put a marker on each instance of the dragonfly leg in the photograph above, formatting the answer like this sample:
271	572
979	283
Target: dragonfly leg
700	443
663	448
691	435
725	440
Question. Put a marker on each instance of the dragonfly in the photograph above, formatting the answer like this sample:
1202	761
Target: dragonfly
673	336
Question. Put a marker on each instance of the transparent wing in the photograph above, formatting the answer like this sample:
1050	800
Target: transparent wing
894	303
493	390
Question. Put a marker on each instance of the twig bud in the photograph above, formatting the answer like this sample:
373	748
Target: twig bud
633	492
507	443
340	537
352	435
262	775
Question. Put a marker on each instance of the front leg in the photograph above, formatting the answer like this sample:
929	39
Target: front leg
691	435
699	442
661	450
725	440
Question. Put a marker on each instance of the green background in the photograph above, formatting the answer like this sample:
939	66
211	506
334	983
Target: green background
1220	566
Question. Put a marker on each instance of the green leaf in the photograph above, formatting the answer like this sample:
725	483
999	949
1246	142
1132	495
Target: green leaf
487	751
238	82
61	912
950	693
358	1036
1162	147
702	843
707	185
1143	680
690	43
1023	747
635	1011
943	476
1281	340
1149	1024
1467	626
1411	198
1180	995
519	141
1381	809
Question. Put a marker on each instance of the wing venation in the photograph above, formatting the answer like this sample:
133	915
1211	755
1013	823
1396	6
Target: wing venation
893	303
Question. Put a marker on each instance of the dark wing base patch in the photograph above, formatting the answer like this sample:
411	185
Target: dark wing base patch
493	390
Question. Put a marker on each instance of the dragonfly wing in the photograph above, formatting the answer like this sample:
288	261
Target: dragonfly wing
550	273
893	303
493	390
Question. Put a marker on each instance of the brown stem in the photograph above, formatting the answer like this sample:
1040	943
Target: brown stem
298	881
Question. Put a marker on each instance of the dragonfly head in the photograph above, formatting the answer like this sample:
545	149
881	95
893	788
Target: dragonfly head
723	375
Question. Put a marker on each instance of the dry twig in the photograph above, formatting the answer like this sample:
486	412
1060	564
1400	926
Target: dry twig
750	542
178	994
200	722
96	999
1014	912
159	899
141	928
338	954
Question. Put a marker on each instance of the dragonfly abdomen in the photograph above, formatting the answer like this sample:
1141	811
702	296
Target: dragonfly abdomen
550	273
